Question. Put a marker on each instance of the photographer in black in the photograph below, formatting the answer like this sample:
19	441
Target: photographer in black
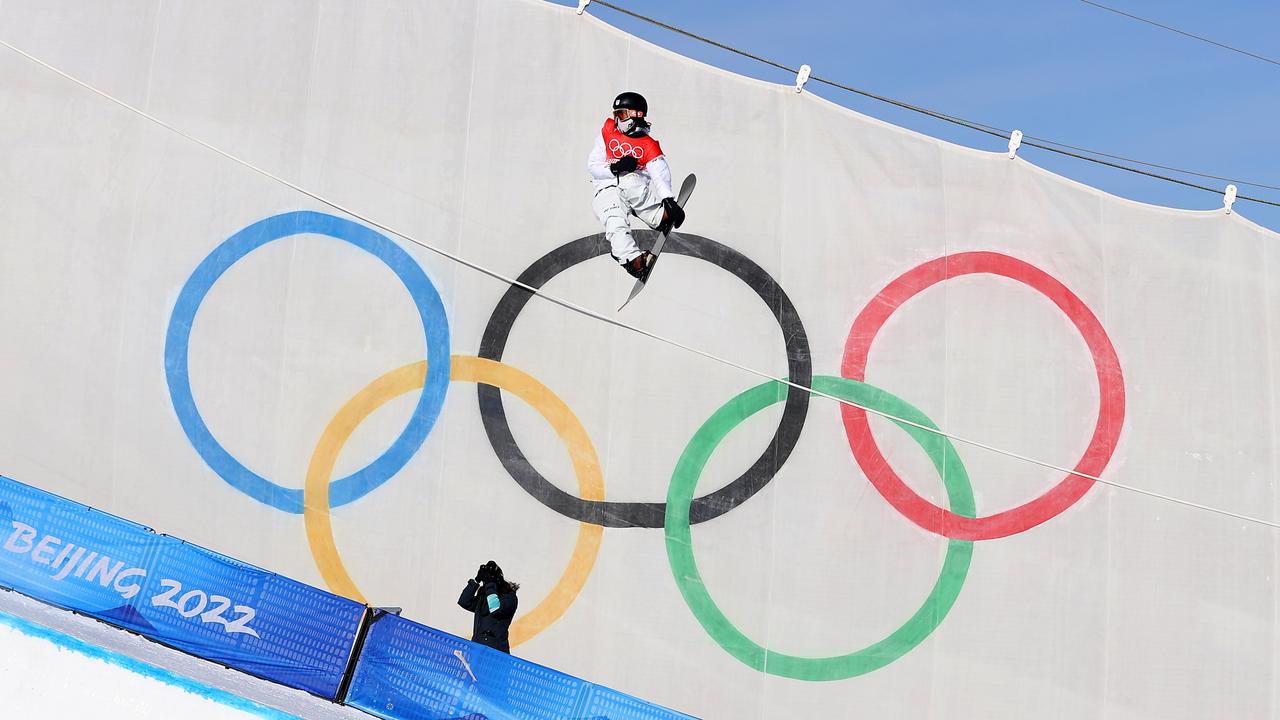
493	600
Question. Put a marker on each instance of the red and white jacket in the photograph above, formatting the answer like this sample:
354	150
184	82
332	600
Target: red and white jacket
612	145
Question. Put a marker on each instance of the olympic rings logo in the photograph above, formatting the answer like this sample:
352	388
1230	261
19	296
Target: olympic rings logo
619	149
959	524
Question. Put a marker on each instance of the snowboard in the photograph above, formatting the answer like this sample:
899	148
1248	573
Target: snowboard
686	189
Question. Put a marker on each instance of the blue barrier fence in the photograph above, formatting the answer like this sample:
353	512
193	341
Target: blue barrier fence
223	610
408	671
173	592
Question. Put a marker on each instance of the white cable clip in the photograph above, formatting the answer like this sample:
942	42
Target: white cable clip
1015	141
1229	198
463	659
582	5
802	77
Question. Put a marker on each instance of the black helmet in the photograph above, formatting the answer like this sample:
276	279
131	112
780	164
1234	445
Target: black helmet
631	101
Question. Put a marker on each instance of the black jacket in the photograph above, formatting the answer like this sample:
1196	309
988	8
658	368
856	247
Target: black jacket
490	627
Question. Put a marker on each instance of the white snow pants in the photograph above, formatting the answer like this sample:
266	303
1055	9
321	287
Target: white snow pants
613	205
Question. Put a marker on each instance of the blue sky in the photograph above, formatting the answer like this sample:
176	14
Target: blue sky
1057	69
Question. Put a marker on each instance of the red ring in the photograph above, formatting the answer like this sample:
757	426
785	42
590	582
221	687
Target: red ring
1063	495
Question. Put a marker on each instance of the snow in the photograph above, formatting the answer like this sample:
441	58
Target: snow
56	664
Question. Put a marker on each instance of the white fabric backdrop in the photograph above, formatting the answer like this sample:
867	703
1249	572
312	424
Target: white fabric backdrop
465	124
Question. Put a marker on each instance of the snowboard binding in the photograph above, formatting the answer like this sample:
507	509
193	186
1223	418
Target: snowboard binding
638	267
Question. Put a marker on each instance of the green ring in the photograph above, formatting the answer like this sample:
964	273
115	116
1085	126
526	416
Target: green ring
685	569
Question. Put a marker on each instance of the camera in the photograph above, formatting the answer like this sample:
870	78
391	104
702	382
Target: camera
489	572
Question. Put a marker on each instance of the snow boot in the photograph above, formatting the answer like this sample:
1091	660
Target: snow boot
638	266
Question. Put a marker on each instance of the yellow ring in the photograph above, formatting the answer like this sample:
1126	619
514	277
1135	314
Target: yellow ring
462	368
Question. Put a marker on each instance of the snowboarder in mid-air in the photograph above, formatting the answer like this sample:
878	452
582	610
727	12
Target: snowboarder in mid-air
631	177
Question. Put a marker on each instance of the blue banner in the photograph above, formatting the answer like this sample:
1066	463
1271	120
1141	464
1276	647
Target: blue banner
408	671
173	592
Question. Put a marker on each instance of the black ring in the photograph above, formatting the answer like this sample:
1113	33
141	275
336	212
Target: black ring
641	514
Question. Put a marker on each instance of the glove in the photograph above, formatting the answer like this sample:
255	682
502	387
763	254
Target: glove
674	215
624	164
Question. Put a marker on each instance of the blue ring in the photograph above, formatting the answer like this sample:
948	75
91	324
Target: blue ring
435	326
